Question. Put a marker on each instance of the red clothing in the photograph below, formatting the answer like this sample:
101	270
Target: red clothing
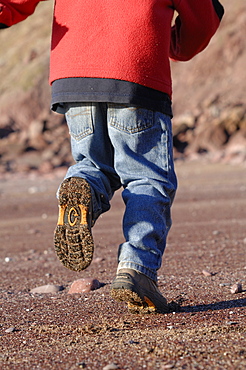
128	40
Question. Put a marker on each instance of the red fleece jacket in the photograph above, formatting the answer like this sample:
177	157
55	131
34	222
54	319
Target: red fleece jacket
129	40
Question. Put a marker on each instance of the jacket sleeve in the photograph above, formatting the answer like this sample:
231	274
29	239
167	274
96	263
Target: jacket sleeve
196	23
15	11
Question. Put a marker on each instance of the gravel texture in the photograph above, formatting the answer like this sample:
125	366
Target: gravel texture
204	259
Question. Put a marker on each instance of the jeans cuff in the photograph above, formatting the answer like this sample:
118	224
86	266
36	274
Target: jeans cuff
134	266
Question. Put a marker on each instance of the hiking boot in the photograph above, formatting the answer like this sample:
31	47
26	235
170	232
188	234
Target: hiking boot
139	291
73	240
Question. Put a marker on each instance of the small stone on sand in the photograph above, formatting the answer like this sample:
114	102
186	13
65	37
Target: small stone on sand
236	288
207	273
50	288
111	366
84	285
10	330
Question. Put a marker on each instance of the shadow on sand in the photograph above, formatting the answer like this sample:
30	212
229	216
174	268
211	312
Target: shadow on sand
215	306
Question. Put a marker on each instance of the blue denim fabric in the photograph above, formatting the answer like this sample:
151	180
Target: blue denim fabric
118	145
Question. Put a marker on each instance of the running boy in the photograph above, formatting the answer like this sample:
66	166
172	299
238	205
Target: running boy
110	76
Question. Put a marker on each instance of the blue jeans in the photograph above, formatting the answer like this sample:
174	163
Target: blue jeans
117	145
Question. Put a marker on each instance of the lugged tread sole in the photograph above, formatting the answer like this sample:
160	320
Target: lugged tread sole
134	302
73	241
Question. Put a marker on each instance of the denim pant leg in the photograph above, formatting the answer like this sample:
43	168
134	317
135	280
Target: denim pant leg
143	159
92	152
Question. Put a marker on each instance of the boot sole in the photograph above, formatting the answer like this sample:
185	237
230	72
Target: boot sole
73	241
137	301
134	302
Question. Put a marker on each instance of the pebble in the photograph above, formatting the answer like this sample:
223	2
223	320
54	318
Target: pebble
133	342
33	190
224	284
84	285
7	259
111	366
207	273
216	232
231	323
236	288
82	365
10	330
98	260
169	365
33	231
50	288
